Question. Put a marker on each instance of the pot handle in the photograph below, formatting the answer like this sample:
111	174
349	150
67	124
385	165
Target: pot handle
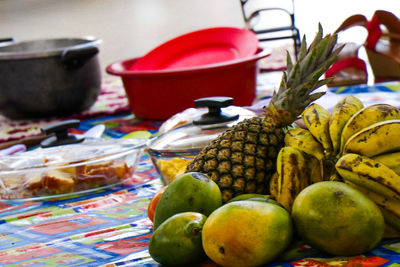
60	135
7	40
78	56
214	114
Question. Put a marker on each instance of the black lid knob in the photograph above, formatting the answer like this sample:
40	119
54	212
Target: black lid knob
214	114
61	135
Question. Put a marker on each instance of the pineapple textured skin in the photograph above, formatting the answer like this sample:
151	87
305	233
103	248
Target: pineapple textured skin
242	159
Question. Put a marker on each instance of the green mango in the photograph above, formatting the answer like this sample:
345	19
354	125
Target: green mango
177	241
255	197
192	191
268	200
247	196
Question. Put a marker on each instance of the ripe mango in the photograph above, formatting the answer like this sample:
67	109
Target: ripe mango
246	233
338	219
192	191
177	241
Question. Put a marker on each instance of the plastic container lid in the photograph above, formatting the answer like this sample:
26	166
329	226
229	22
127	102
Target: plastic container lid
203	47
89	151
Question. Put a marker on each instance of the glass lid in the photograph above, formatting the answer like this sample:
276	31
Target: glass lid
186	138
201	130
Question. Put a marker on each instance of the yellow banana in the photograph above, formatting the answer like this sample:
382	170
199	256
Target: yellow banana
390	204
328	169
391	219
303	140
390	209
335	177
313	166
316	118
366	172
273	185
379	138
392	160
292	175
390	231
366	117
341	113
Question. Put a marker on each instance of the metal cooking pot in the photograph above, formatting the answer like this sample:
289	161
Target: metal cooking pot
50	77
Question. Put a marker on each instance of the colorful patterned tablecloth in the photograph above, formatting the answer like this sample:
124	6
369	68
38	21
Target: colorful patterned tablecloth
110	227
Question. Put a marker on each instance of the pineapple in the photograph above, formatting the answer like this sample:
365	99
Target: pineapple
243	159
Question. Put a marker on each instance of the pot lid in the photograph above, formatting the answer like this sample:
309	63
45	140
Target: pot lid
193	136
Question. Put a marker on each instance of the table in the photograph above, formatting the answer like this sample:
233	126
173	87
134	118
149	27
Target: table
110	227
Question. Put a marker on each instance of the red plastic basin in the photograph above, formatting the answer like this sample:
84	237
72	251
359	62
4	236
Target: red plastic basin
202	47
159	94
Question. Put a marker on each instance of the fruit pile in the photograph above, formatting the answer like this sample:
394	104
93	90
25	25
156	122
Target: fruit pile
335	184
336	187
190	223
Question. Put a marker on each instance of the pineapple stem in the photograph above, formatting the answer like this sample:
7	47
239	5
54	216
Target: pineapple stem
301	79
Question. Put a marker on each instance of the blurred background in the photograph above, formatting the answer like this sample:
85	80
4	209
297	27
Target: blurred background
130	28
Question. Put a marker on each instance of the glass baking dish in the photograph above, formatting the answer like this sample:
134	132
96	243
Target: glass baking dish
69	169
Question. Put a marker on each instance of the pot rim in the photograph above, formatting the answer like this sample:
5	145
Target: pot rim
87	41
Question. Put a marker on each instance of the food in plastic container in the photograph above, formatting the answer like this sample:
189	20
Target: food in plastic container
172	168
69	169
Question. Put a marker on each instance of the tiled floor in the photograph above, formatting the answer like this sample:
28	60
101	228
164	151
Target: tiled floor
130	28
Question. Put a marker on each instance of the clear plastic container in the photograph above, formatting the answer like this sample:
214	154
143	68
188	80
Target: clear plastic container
69	169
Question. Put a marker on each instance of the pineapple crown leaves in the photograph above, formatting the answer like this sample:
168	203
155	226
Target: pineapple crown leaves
302	78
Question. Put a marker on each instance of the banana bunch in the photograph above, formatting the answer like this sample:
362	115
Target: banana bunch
370	158
354	144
